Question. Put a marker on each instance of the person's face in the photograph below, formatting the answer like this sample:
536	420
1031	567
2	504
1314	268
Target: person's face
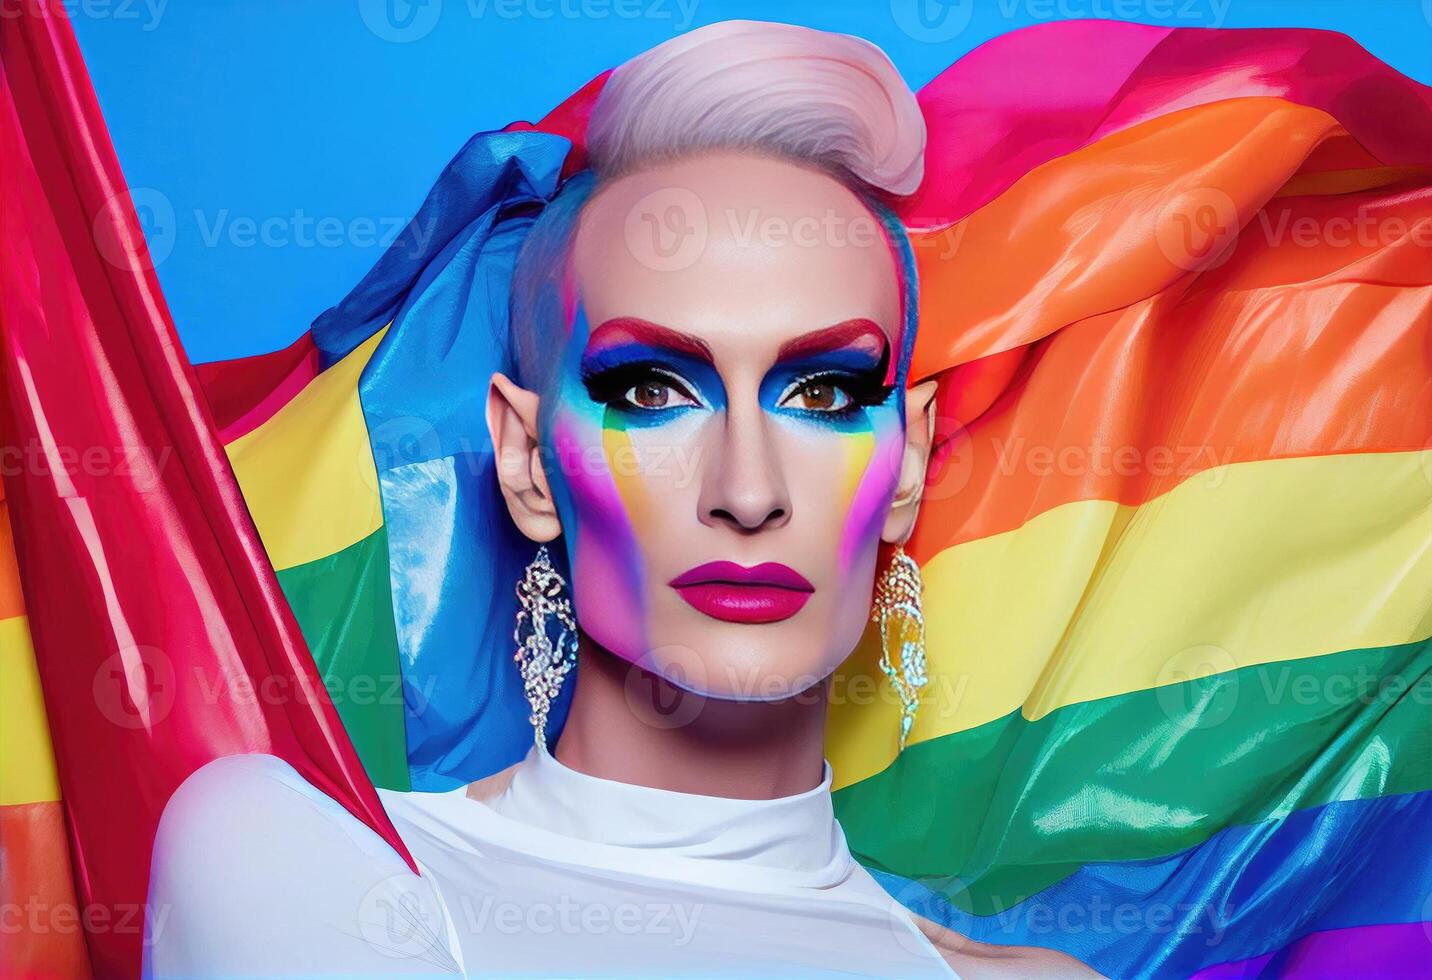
724	442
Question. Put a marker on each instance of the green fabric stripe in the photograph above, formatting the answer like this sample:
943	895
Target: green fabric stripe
1006	809
344	607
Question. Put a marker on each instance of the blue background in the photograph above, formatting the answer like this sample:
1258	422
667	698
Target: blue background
274	147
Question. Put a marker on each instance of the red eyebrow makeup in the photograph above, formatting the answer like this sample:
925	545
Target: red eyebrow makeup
634	330
856	334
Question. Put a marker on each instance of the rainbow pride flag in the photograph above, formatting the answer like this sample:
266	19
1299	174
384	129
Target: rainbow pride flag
1178	550
42	935
1177	540
142	632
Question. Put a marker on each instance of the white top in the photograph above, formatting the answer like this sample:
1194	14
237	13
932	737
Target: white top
257	873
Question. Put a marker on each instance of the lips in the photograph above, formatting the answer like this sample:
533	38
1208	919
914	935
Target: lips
766	593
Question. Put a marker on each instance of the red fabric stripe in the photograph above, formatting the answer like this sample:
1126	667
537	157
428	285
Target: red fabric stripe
245	392
154	571
991	119
570	120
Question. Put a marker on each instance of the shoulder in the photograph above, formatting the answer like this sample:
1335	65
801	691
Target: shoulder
260	799
256	780
246	847
255	817
989	961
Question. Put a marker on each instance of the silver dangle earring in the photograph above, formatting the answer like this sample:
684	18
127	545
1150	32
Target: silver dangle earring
898	610
544	662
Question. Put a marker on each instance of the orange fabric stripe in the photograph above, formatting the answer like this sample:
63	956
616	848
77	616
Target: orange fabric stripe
12	603
1185	363
41	935
1022	266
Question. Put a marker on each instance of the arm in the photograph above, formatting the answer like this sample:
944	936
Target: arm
989	961
257	873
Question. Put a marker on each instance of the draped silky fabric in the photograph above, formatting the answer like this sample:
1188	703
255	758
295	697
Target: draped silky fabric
444	286
1177	541
380	415
142	582
1177	545
35	870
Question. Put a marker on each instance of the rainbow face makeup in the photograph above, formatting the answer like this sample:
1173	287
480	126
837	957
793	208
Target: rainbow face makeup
637	431
646	374
849	372
589	450
725	434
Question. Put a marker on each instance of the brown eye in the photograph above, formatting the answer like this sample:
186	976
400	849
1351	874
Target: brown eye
650	394
818	395
657	390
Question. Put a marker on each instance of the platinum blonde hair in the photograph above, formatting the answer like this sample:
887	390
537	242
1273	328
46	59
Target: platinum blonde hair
829	101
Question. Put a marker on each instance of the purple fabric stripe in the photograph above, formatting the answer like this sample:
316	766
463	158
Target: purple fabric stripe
1398	950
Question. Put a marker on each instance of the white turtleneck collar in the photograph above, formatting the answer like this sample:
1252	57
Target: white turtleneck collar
544	871
553	811
675	884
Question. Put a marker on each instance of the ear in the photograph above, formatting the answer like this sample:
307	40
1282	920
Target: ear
512	424
919	435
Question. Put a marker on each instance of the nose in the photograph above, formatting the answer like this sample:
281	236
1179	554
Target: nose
745	488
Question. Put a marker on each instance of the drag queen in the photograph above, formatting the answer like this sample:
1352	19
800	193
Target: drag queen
699	571
710	431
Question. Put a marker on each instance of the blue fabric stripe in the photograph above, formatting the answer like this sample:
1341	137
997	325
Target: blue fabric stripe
454	554
1244	892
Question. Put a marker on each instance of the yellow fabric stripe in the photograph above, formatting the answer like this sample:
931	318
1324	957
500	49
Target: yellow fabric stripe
27	759
307	473
1249	563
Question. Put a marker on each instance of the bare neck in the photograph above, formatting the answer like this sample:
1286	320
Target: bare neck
630	725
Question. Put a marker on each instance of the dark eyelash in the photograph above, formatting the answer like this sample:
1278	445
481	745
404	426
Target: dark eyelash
610	385
865	388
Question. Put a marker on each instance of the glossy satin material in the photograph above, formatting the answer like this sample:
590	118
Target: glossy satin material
453	552
1182	473
1230	898
35	867
991	120
1175	546
148	592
